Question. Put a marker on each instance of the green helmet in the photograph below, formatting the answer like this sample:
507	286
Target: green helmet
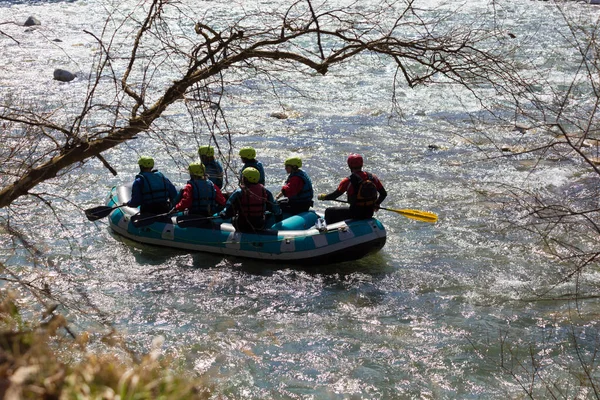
251	174
146	162
294	162
206	151
248	152
197	169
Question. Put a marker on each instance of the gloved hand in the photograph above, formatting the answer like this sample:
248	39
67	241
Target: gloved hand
321	196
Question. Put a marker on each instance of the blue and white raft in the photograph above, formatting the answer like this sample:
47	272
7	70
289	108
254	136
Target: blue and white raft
302	238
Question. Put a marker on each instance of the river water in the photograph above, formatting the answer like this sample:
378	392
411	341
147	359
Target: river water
432	315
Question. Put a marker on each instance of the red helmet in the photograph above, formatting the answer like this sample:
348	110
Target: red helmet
355	161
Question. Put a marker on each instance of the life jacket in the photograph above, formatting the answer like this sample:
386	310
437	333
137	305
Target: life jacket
204	196
254	164
364	191
253	200
306	194
214	172
154	187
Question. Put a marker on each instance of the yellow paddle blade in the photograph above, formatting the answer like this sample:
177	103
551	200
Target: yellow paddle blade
424	216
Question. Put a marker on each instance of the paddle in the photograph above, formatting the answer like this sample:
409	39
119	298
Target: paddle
96	213
423	216
141	220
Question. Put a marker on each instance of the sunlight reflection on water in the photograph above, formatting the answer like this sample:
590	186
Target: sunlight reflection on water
402	322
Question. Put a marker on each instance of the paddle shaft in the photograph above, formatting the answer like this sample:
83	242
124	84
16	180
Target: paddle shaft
347	202
424	216
141	222
181	220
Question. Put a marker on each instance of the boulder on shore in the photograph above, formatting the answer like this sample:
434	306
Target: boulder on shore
63	75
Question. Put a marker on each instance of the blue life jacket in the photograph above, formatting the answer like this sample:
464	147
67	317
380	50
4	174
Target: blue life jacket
154	187
306	194
214	170
203	200
255	164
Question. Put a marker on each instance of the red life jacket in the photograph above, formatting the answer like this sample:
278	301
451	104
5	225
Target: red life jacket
253	200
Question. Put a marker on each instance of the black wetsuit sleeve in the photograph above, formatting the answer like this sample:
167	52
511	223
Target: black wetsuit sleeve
382	195
333	195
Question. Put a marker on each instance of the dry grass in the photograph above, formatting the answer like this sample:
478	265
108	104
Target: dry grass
46	361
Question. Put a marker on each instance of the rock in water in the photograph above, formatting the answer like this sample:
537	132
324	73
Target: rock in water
63	76
32	21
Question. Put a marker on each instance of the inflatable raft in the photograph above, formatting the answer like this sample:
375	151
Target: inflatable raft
302	238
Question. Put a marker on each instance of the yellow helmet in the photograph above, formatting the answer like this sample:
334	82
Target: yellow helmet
146	162
251	174
294	162
206	151
197	169
248	152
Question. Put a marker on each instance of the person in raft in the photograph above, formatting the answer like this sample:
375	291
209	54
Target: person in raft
364	190
151	190
247	205
297	188
248	155
213	168
200	196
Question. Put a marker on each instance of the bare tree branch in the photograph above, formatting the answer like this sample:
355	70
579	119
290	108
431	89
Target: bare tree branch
424	57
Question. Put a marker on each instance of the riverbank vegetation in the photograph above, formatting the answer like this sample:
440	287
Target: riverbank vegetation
47	360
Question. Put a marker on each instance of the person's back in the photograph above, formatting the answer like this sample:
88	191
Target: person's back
364	190
247	205
151	190
213	168
200	196
251	207
203	198
297	188
362	194
248	156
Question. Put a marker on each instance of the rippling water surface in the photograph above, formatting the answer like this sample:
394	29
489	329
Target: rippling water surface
425	317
